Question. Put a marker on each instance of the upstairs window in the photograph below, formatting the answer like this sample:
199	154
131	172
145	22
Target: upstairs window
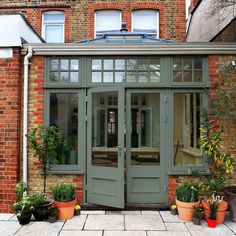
107	21
53	26
146	21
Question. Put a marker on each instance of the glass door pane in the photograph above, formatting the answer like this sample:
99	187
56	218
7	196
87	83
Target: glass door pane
105	129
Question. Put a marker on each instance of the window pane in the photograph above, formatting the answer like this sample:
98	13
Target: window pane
96	64
54	64
187	64
108	77
197	63
54	34
145	21
120	76
197	76
119	64
108	64
143	64
74	64
188	76
154	64
154	76
53	16
177	76
107	20
96	77
54	76
142	76
64	64
186	119
64	114
64	76
131	76
131	64
74	77
177	64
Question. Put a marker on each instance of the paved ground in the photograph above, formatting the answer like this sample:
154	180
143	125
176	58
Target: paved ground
115	223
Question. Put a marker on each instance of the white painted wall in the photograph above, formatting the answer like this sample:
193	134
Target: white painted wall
13	28
203	26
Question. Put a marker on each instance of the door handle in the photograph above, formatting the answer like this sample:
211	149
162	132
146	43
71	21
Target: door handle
119	150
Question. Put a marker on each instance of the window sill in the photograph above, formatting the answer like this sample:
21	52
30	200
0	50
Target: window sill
67	172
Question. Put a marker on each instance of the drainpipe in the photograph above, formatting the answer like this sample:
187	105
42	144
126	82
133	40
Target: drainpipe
25	111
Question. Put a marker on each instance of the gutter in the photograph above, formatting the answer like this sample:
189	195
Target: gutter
25	112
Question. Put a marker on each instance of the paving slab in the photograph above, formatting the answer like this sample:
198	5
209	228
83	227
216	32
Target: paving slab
168	233
40	229
123	212
168	217
9	228
150	212
104	222
80	233
204	230
92	212
76	223
125	233
230	224
6	216
144	222
176	227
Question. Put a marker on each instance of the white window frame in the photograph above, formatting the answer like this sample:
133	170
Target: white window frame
95	19
157	18
54	23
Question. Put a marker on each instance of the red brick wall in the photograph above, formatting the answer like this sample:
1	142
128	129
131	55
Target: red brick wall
79	15
10	109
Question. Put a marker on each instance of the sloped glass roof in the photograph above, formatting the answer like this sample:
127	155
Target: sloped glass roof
124	37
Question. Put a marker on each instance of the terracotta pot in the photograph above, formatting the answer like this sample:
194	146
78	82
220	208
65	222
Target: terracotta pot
65	210
220	213
197	221
211	223
185	209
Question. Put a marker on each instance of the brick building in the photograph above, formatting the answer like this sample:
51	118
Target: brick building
127	101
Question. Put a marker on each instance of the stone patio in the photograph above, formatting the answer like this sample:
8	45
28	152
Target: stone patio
115	223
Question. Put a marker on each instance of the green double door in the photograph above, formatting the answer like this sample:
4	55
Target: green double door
126	147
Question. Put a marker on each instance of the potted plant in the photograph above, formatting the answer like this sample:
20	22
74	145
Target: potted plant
77	210
173	210
48	144
52	214
197	215
231	196
186	199
65	200
213	206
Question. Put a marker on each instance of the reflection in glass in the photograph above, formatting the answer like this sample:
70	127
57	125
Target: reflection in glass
186	129
177	76
96	77
131	64
120	76
54	64
54	76
187	63
108	64
105	129
131	76
142	64
119	64
64	114
154	76
107	76
96	64
74	77
74	64
145	129
154	64
64	76
188	76
64	65
197	75
142	76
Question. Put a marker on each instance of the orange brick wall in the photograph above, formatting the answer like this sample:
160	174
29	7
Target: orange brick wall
79	15
10	109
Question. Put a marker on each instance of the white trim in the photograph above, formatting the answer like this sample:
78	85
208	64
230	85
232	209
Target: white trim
54	23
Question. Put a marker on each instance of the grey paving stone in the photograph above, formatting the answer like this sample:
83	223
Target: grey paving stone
168	217
114	212
92	212
150	212
13	218
177	227
9	228
168	233
6	216
76	223
123	213
40	228
104	222
144	222
230	224
81	233
124	233
203	230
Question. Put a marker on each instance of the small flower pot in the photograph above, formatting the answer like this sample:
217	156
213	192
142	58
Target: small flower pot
77	212
197	221
65	210
211	223
24	220
174	211
52	219
40	212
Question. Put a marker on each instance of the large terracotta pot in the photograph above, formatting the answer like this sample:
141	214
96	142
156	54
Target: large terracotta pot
220	213
231	194
65	210
185	209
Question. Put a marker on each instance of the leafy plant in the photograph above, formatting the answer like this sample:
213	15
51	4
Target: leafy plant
64	192
23	207
20	189
36	199
48	143
197	212
187	192
214	202
52	210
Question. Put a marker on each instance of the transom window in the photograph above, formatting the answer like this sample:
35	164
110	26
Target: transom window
131	70
106	21
53	26
146	21
187	69
64	70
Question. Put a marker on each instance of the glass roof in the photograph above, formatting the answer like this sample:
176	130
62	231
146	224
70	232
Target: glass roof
124	37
